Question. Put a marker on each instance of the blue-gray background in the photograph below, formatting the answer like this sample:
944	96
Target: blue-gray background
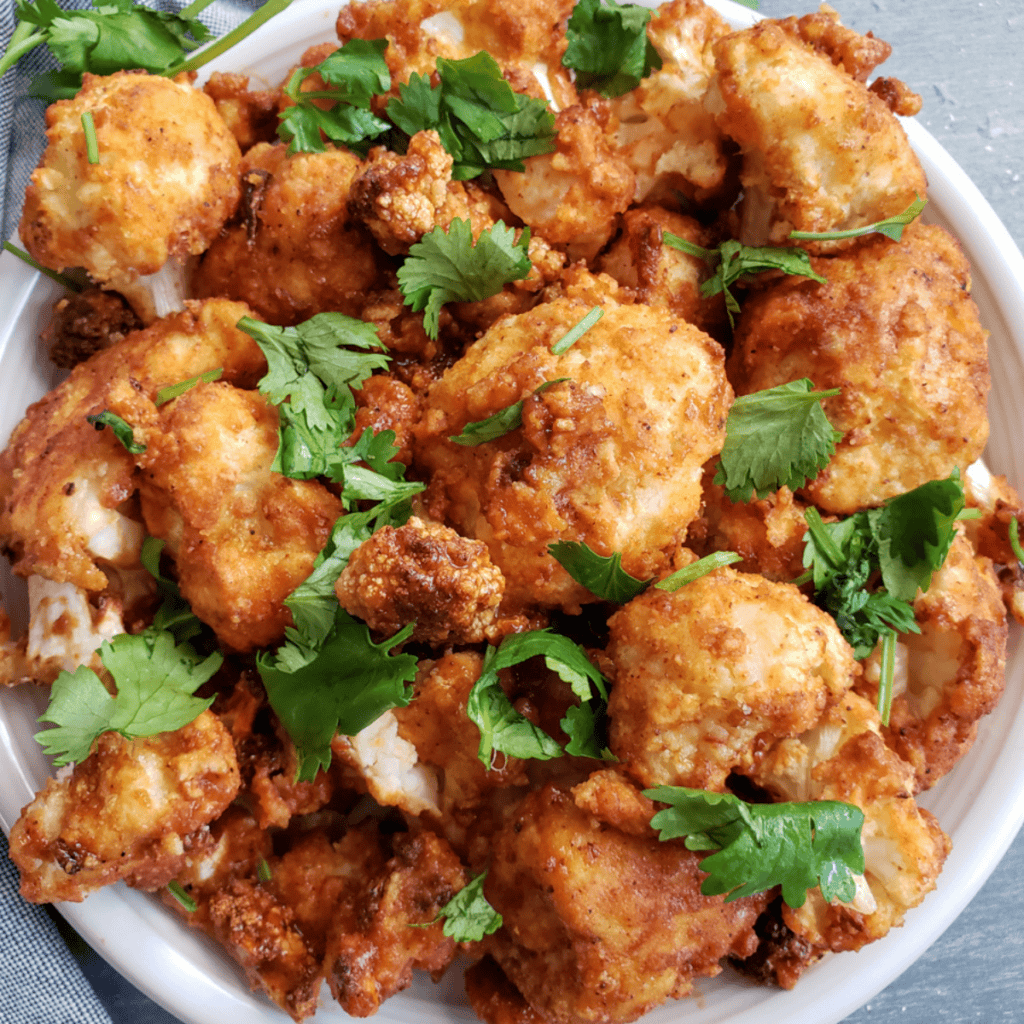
966	58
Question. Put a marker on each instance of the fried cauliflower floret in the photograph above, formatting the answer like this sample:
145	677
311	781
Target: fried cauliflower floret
385	403
664	131
572	196
845	758
63	484
165	182
242	537
820	151
704	677
378	937
250	114
659	275
954	669
129	811
599	925
423	573
297	250
896	330
611	457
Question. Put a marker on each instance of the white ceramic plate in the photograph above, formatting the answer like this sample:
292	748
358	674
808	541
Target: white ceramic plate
980	804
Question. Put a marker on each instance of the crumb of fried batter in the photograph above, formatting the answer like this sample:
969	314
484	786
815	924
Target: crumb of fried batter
85	323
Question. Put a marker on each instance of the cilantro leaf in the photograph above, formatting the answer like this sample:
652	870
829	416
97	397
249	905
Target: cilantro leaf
175	615
448	267
608	46
694	571
601	575
467	916
155	681
759	846
779	436
354	74
503	422
481	122
343	686
891	227
122	431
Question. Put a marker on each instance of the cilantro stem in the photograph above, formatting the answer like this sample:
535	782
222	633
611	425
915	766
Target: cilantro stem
165	395
1015	540
888	669
712	257
23	40
575	333
174	887
92	146
222	45
891	227
694	571
825	544
194	8
68	283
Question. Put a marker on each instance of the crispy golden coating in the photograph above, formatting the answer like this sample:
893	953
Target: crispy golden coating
665	132
242	537
63	483
165	183
296	251
706	676
954	669
129	811
495	1000
845	758
250	114
896	329
423	573
821	152
572	196
384	403
611	457
601	926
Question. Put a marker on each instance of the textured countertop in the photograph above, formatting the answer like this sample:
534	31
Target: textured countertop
967	61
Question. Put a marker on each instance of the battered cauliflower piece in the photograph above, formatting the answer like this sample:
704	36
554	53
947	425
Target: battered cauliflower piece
423	573
954	669
664	131
611	457
296	250
64	485
601	926
845	758
250	114
895	328
165	183
705	676
820	151
573	195
242	537
130	811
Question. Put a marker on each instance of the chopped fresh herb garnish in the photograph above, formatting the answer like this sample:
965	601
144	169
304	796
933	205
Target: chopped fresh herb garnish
501	423
165	395
575	333
732	261
353	74
694	571
608	46
122	431
67	282
92	149
343	685
776	437
794	845
891	227
155	681
176	889
175	615
446	266
482	123
505	730
467	916
263	871
887	670
602	575
1015	540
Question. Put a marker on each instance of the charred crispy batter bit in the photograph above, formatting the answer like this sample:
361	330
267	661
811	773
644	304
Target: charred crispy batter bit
602	926
427	574
611	457
63	483
165	183
821	152
86	323
707	676
897	331
297	251
130	811
242	537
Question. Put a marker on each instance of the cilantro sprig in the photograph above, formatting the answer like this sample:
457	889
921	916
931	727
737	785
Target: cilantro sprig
891	227
446	266
122	430
758	846
776	437
608	46
467	916
731	261
482	123
503	422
